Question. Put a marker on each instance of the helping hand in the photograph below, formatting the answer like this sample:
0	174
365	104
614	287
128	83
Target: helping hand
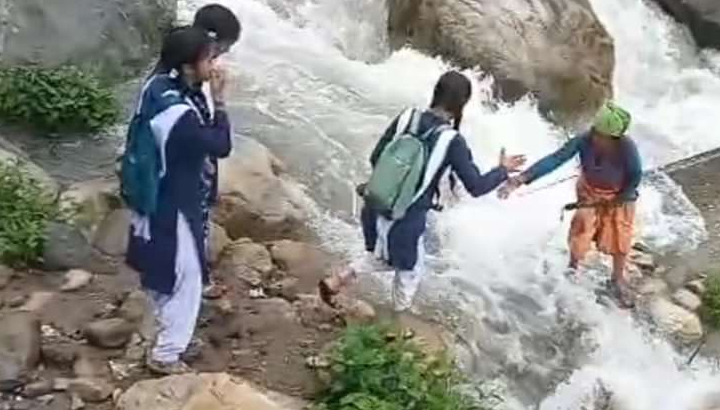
511	163
510	186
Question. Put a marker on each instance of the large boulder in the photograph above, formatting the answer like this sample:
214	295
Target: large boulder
702	17
118	37
555	49
9	152
255	201
209	391
675	320
90	201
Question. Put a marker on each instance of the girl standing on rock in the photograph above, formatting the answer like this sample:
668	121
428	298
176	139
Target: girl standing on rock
398	242
167	247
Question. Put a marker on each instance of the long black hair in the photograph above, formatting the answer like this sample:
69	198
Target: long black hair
183	45
218	19
451	93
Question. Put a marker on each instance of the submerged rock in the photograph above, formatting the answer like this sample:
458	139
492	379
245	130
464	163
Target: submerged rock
675	320
209	391
557	50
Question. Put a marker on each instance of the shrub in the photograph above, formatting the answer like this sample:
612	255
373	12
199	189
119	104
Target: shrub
371	371
710	310
55	99
25	210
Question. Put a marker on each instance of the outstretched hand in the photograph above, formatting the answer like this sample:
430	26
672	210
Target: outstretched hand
511	163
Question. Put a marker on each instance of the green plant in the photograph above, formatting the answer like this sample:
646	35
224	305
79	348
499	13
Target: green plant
371	371
710	310
61	99
25	210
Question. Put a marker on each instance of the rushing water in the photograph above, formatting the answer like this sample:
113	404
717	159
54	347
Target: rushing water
314	81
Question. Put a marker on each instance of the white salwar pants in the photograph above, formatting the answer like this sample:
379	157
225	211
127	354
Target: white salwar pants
177	313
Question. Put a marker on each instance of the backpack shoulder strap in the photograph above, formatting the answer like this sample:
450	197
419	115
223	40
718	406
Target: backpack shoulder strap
437	156
409	120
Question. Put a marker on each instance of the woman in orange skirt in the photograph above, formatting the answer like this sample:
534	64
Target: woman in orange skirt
606	191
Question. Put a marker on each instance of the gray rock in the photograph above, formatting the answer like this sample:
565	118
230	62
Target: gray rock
118	37
109	333
702	17
39	388
19	347
250	262
111	237
76	279
91	390
687	299
555	49
66	248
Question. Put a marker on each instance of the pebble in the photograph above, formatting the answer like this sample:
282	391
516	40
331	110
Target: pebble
76	279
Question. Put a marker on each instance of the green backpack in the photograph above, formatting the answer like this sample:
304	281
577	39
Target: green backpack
399	171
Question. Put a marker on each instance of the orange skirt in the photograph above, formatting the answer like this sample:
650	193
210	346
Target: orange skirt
610	227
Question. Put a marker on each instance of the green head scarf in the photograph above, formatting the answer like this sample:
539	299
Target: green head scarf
612	120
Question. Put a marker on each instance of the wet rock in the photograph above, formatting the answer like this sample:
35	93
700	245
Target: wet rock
76	279
557	50
91	390
306	262
702	17
251	262
39	388
697	287
675	320
286	289
91	201
687	299
652	286
209	391
643	260
217	242
59	354
19	347
255	201
109	333
37	301
111	236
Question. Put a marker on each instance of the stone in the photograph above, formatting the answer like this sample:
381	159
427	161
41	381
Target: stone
248	261
117	39
696	286
675	320
642	260
113	233
135	307
286	288
218	240
11	153
652	286
76	279
269	314
39	388
109	333
62	355
687	299
37	301
315	313
16	301
66	248
355	311
557	50
91	390
256	200
301	260
208	391
702	17
91	202
76	403
19	347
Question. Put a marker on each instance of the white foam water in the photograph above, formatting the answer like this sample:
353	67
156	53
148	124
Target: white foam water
315	82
